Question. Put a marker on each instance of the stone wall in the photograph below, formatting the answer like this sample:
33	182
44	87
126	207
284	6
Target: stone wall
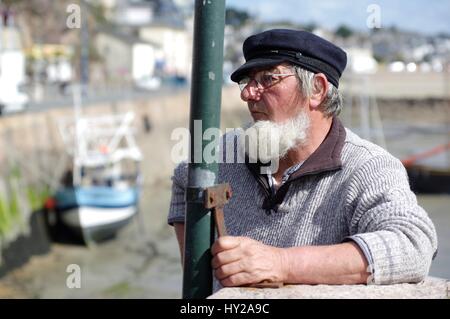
431	288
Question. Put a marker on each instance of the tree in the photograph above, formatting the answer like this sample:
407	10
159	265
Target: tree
379	58
236	17
310	27
344	31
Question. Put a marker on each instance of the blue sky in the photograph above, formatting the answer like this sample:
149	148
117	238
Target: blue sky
429	16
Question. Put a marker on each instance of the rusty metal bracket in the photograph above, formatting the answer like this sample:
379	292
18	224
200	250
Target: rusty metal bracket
215	198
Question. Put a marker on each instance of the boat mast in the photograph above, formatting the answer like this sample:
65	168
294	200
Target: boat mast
79	92
1	29
84	49
447	97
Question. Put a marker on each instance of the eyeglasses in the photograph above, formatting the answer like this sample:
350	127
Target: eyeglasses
266	80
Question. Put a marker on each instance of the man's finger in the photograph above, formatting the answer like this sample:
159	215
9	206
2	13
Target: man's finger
225	257
238	279
228	270
224	243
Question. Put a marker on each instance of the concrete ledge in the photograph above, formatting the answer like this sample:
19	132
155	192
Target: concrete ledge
430	288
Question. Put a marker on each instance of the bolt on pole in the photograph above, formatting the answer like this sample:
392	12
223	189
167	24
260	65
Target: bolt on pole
206	93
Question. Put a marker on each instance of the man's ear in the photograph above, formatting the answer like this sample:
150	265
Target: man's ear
319	90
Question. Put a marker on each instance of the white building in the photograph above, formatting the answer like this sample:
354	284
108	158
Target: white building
162	23
12	70
176	45
127	58
361	60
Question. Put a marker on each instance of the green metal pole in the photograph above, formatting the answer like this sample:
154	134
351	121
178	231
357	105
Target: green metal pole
206	91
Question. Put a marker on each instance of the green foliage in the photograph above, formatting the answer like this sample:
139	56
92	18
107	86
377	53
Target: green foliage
4	216
37	197
310	27
121	289
15	172
236	17
10	203
379	58
98	13
9	213
344	31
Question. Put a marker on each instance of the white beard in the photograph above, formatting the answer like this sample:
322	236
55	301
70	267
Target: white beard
269	141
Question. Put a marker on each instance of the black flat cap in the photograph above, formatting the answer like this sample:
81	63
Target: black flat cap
311	52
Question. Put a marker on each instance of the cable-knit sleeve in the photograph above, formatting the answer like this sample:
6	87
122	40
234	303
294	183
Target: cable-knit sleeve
178	200
394	232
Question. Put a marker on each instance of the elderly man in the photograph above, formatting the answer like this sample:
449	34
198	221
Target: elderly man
339	209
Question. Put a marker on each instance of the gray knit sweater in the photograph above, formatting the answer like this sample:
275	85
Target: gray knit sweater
350	189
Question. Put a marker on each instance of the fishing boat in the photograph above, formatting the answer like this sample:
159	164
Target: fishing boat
429	180
100	193
425	178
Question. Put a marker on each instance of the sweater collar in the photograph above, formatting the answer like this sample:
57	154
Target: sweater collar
327	157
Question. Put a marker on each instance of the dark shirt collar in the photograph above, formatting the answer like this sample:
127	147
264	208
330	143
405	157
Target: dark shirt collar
327	157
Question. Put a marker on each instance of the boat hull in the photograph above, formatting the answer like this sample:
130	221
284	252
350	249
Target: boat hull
429	181
96	213
96	224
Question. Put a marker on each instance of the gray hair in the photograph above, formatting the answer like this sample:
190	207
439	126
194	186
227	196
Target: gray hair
332	104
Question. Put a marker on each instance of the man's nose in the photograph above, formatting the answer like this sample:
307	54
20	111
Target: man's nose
251	92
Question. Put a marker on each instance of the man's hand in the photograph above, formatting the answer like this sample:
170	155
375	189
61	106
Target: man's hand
239	261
